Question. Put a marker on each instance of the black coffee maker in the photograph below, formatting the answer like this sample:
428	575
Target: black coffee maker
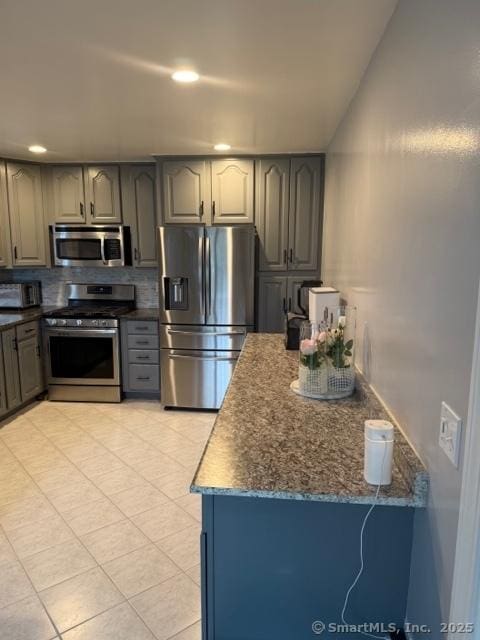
293	321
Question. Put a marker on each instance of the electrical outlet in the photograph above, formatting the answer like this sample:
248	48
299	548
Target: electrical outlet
450	433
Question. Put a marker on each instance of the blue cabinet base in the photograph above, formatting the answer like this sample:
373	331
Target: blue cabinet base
271	568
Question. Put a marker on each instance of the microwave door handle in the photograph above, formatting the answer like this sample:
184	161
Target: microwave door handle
102	249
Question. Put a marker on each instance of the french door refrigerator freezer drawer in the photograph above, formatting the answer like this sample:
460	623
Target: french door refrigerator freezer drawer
203	337
195	379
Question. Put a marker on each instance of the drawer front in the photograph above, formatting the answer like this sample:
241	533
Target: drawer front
142	342
27	330
142	356
144	377
141	327
196	379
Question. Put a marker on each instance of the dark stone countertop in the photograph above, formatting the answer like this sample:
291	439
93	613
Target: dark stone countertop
143	314
268	442
11	317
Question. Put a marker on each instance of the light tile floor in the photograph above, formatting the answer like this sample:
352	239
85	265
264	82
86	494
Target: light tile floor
99	536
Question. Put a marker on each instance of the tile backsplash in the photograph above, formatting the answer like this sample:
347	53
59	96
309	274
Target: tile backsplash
53	281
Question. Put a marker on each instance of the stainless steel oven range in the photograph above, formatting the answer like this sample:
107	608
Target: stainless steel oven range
82	343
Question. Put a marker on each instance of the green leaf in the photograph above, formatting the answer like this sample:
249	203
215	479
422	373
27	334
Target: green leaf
349	345
347	353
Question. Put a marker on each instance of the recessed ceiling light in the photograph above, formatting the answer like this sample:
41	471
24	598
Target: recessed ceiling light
222	146
185	75
36	148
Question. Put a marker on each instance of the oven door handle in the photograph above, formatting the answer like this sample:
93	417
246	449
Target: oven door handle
76	333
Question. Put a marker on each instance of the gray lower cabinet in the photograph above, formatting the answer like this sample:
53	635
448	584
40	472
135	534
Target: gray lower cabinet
29	361
140	357
140	212
10	360
3	393
272	304
277	295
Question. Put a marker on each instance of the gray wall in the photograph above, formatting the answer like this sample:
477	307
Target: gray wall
53	281
402	241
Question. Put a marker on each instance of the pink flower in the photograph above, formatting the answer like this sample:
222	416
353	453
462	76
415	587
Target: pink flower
308	347
322	336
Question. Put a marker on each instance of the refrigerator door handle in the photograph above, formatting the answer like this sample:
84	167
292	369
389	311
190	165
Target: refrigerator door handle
208	277
209	358
203	333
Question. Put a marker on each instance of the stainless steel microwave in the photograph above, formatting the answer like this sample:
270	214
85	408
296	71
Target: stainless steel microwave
91	246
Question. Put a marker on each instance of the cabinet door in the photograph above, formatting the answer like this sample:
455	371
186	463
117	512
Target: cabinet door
3	394
272	303
271	215
139	211
232	191
304	217
104	194
26	215
5	254
186	192
10	359
29	362
68	194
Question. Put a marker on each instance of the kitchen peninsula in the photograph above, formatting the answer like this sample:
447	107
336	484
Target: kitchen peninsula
283	502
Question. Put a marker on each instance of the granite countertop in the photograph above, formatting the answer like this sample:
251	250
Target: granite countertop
143	314
268	442
10	318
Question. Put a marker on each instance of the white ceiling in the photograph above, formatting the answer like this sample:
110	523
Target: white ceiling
90	79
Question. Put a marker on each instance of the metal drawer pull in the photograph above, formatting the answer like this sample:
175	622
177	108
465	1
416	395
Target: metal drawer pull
209	358
142	342
143	357
202	333
144	328
29	330
143	377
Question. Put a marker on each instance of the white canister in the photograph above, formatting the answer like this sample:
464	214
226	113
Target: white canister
379	436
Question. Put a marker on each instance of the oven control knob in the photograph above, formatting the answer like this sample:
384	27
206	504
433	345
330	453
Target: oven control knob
94	323
104	323
78	323
61	322
51	321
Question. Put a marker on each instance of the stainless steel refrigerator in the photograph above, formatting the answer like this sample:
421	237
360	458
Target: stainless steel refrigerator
206	293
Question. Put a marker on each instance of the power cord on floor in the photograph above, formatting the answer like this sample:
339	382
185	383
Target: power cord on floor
362	563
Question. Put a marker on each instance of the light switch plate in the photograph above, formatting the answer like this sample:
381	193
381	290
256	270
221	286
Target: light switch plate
450	433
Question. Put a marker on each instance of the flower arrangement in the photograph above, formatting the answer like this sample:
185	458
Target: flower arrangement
326	355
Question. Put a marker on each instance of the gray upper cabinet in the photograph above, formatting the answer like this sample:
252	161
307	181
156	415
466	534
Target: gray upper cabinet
304	218
288	213
104	205
272	189
139	211
10	359
232	191
272	303
68	194
186	191
25	200
5	254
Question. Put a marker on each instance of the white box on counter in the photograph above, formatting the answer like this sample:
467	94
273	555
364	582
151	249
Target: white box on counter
320	298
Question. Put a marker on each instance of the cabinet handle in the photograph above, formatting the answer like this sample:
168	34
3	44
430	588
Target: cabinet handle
140	328
289	304
142	341
14	344
143	377
29	330
201	209
291	256
213	209
92	209
285	256
15	254
143	357
82	212
135	253
38	351
284	305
